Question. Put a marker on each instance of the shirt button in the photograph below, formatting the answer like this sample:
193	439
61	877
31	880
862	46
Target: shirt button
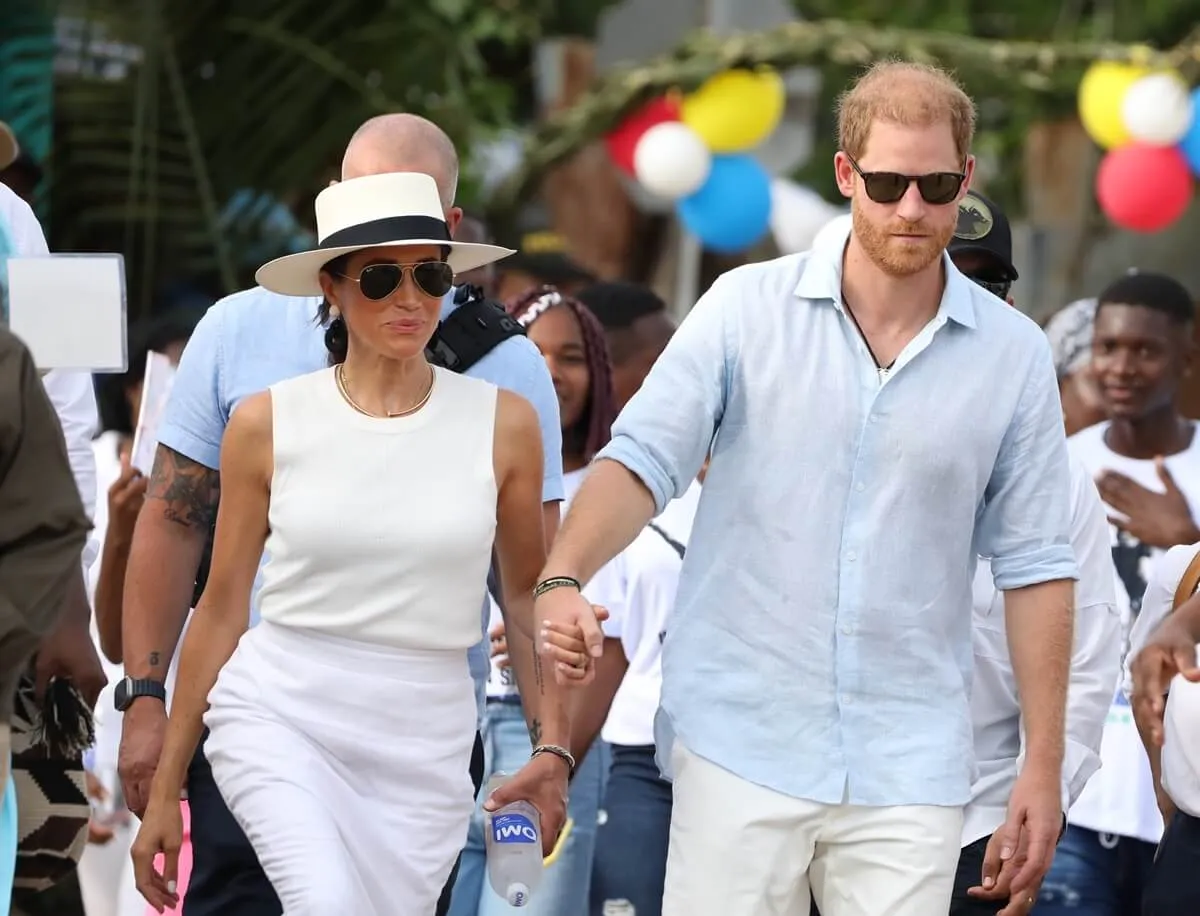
851	556
848	630
847	700
860	487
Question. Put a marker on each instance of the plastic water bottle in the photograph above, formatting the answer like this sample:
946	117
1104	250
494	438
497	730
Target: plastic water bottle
513	838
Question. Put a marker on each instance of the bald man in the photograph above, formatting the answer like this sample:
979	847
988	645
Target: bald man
247	342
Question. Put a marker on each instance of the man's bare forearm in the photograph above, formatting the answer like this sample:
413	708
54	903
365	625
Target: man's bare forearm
1040	623
168	543
609	511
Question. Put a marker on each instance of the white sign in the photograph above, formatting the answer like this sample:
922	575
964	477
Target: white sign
156	388
70	310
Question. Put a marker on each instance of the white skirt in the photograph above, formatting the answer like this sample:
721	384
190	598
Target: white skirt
347	765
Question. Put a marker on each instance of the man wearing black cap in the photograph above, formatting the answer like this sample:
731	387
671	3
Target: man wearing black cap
982	245
982	249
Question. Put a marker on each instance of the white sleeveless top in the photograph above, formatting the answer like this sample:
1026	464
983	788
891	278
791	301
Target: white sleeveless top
381	530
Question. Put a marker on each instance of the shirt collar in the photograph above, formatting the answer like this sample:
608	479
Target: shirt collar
821	278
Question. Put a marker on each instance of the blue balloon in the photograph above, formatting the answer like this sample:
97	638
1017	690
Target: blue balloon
732	209
1190	144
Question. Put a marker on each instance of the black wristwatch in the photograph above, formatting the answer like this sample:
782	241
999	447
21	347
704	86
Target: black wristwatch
130	688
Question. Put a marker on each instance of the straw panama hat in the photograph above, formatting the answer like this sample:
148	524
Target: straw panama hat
9	150
400	208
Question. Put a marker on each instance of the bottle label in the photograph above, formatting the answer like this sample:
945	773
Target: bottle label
513	828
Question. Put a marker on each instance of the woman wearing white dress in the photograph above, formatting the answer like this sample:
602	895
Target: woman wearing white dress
341	726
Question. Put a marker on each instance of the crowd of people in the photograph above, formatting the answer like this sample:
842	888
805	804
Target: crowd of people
418	524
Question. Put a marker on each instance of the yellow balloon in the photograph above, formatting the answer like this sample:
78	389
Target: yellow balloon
735	110
1100	95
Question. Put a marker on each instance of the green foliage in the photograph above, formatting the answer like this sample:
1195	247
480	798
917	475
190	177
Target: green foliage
1005	114
227	95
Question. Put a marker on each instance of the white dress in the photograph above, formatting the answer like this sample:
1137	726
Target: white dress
341	729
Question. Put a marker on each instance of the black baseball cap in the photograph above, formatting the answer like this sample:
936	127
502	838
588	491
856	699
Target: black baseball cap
983	229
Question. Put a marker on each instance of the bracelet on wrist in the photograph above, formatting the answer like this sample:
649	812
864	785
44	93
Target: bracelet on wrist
558	751
548	585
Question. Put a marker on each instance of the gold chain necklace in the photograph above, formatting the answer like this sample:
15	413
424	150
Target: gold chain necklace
339	375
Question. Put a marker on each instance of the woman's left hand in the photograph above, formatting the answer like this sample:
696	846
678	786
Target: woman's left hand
161	832
543	783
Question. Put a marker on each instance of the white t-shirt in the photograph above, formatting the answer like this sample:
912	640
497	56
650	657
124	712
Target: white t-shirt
651	575
604	589
1095	664
1120	799
1181	721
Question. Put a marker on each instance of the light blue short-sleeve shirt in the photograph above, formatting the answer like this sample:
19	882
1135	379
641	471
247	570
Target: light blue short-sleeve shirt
253	339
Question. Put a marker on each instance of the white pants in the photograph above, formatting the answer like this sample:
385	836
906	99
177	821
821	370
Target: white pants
738	849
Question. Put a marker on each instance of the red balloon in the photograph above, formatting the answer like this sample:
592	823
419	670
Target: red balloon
623	139
1144	188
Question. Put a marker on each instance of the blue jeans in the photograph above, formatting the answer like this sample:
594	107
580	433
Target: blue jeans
631	843
1096	874
565	885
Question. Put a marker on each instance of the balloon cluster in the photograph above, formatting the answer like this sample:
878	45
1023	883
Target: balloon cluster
1147	121
693	149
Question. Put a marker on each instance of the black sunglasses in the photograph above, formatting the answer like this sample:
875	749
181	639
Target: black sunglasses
998	288
889	187
378	281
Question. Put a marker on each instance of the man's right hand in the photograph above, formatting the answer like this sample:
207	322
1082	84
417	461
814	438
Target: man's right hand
142	734
567	612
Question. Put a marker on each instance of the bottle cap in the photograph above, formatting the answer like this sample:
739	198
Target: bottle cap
518	894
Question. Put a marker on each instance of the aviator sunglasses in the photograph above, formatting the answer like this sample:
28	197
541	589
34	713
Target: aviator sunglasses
889	187
378	281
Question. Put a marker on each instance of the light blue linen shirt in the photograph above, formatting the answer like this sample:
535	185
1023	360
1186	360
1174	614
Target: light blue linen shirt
249	341
820	644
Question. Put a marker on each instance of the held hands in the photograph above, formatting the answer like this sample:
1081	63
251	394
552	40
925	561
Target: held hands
570	635
999	886
1024	847
564	646
161	832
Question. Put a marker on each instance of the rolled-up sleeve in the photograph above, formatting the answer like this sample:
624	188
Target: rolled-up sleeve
665	431
1025	523
194	421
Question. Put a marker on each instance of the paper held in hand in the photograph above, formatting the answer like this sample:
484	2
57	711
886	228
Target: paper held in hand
156	388
69	309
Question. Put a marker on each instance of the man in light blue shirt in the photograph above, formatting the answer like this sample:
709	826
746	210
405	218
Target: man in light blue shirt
876	421
245	343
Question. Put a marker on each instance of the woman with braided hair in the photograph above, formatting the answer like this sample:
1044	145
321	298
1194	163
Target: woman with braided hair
572	341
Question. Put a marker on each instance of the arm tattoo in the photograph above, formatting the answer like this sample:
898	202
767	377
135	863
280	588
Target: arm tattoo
155	658
535	732
537	669
189	490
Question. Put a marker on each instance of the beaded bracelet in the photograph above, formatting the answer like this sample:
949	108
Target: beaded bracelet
561	752
547	585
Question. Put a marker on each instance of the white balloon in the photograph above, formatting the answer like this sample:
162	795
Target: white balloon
671	161
1157	109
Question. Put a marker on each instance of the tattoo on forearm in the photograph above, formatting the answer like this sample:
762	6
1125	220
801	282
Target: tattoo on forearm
154	659
535	732
189	490
537	669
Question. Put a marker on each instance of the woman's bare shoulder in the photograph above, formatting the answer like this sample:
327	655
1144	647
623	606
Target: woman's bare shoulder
248	433
515	416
